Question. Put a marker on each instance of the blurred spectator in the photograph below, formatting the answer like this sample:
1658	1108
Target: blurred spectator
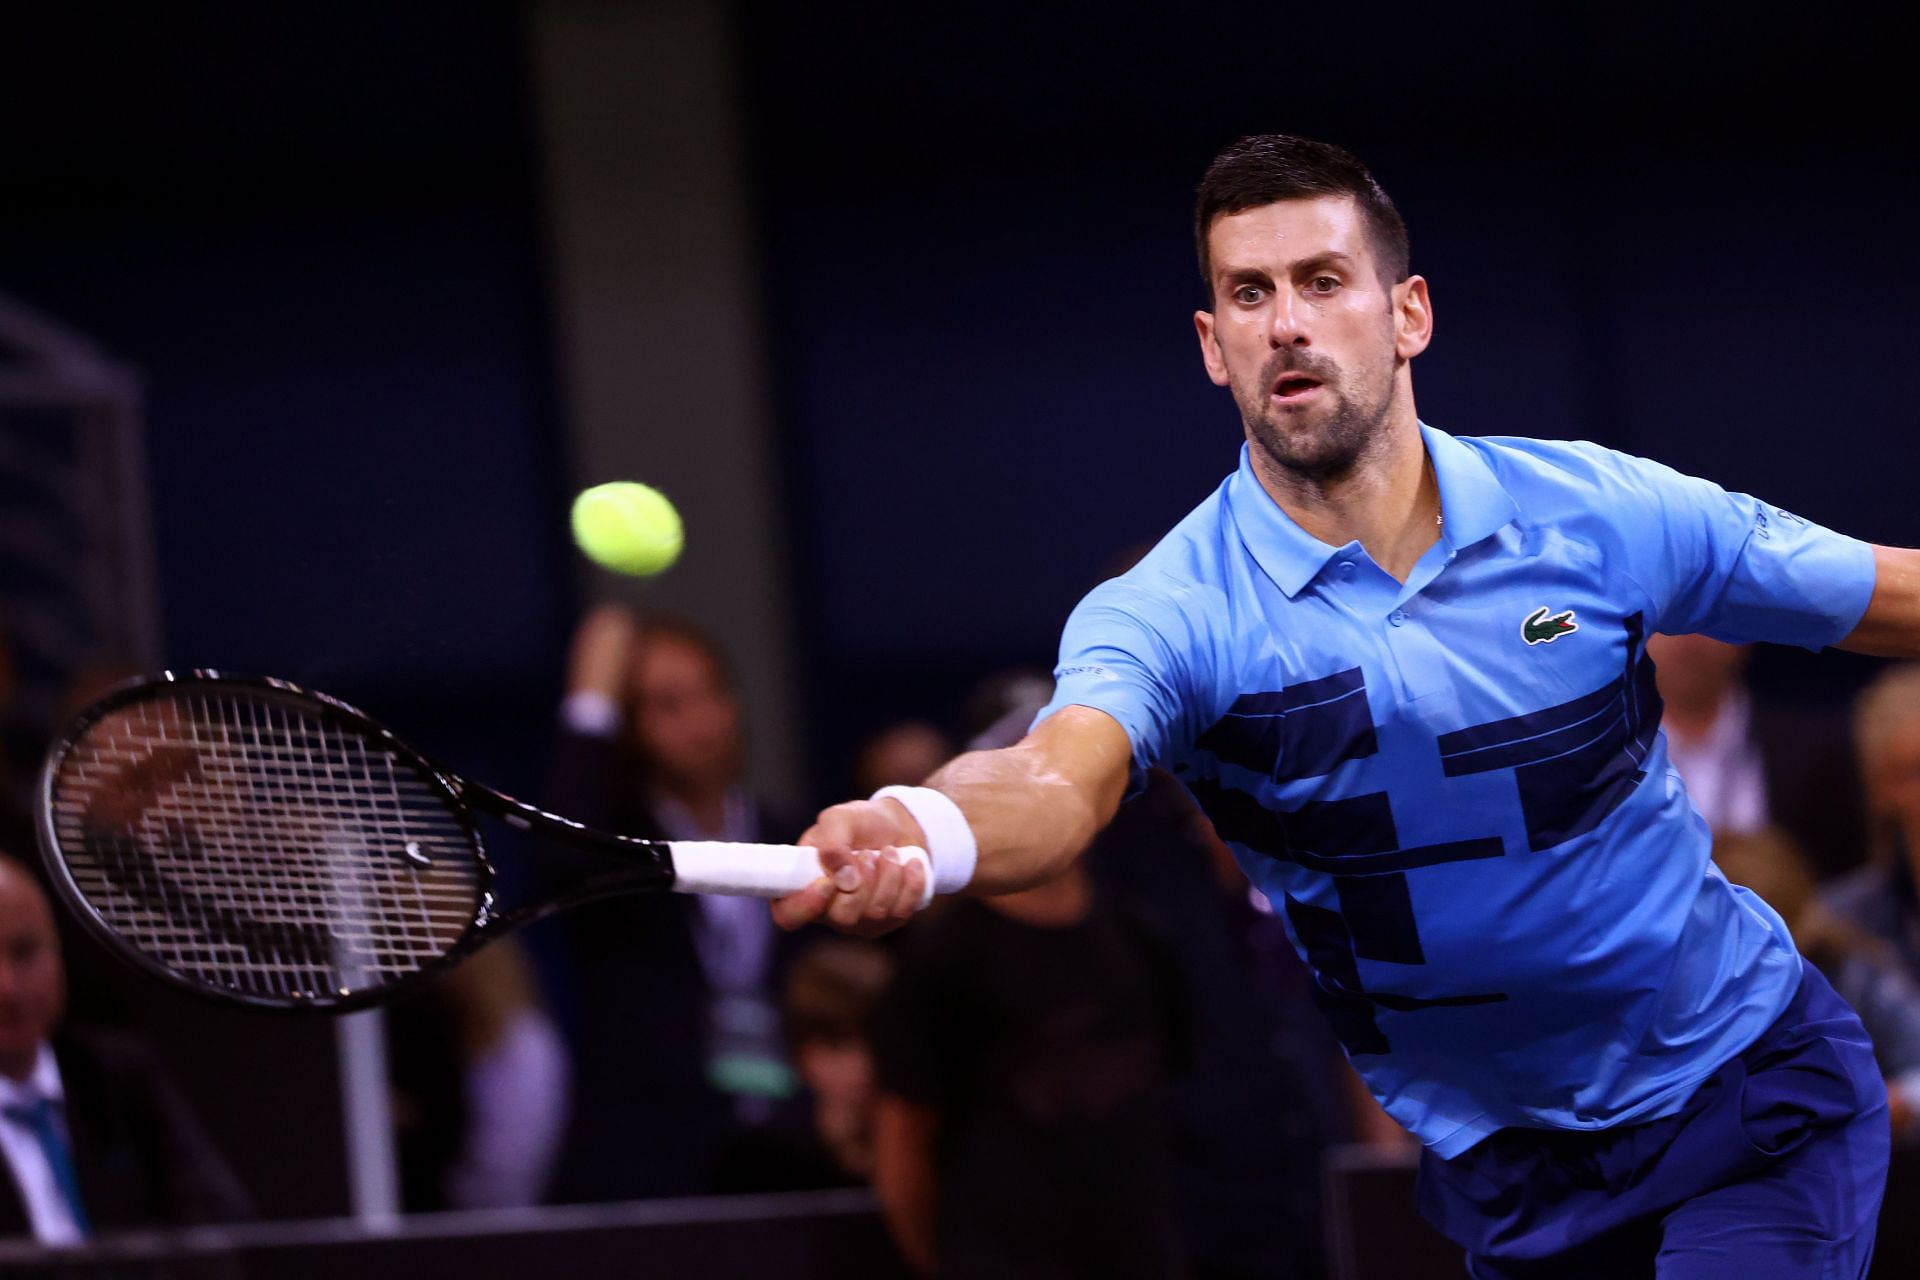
900	755
1749	763
831	992
97	993
1863	970
1268	1088
1001	707
1879	898
682	1081
480	1079
1024	1053
94	1136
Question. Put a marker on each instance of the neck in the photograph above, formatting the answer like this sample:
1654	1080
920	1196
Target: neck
1387	501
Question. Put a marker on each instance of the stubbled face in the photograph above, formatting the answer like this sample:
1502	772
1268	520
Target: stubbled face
1305	335
686	722
32	981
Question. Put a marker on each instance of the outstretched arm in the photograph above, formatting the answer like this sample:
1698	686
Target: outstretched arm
1033	808
1891	626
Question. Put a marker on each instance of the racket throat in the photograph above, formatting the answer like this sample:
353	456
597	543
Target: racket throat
615	864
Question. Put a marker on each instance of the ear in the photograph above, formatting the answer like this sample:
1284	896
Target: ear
1412	317
1209	348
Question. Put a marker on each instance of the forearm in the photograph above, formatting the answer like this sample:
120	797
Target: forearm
1029	820
1000	821
1891	626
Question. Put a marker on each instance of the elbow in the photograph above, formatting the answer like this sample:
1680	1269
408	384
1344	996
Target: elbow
1091	819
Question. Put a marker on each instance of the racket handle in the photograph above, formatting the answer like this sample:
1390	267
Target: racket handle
758	870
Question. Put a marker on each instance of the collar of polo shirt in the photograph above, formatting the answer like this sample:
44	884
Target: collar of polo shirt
1473	502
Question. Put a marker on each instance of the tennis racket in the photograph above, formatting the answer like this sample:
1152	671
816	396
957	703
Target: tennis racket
275	847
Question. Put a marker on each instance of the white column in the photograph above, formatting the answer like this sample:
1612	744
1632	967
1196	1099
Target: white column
656	307
373	1171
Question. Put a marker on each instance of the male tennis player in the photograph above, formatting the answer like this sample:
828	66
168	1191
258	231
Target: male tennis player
1405	674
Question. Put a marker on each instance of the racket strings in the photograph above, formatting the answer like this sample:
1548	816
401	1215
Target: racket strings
249	843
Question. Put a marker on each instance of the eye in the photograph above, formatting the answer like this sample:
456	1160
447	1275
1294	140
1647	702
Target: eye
1323	284
1249	294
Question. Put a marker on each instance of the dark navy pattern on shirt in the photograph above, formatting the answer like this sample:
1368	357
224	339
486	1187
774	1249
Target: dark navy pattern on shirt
1473	835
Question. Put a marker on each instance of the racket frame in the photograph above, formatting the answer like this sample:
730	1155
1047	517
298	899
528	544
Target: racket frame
633	864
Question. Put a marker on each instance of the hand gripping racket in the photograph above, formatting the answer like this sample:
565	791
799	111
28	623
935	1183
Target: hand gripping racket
273	846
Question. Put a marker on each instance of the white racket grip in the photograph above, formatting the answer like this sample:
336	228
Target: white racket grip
759	870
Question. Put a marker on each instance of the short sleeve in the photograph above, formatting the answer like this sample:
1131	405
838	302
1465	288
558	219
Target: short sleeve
1730	566
1138	652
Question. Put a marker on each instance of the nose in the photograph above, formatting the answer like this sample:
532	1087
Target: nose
1288	328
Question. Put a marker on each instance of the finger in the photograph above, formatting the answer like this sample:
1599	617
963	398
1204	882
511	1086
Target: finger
843	867
913	889
849	905
803	906
887	877
832	832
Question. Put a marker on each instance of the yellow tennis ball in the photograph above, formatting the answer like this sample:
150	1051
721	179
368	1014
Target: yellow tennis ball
627	527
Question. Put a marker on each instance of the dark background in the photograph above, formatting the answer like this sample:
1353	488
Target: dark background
318	232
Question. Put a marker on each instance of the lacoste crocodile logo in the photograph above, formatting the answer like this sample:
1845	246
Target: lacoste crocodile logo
1541	629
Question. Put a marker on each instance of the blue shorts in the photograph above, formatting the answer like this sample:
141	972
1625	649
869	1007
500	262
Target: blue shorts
1774	1168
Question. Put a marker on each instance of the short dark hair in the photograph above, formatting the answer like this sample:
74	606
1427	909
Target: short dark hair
831	990
1269	167
674	629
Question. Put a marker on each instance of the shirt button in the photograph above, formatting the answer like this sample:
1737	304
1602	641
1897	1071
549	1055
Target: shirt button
1346	570
1398	618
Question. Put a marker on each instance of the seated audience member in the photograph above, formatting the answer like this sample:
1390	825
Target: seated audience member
93	1137
480	1079
1268	1088
1879	898
1862	969
1749	763
831	991
1025	1052
680	1059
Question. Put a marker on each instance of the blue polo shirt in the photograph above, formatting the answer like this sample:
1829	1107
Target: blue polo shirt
1456	789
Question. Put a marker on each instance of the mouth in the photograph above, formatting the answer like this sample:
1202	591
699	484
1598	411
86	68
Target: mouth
1294	388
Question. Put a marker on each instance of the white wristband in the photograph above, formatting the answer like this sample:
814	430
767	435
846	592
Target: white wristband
950	844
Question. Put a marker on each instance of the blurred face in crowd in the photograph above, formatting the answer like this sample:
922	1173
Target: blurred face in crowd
840	1074
686	721
1695	671
1893	781
1305	334
32	982
904	755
